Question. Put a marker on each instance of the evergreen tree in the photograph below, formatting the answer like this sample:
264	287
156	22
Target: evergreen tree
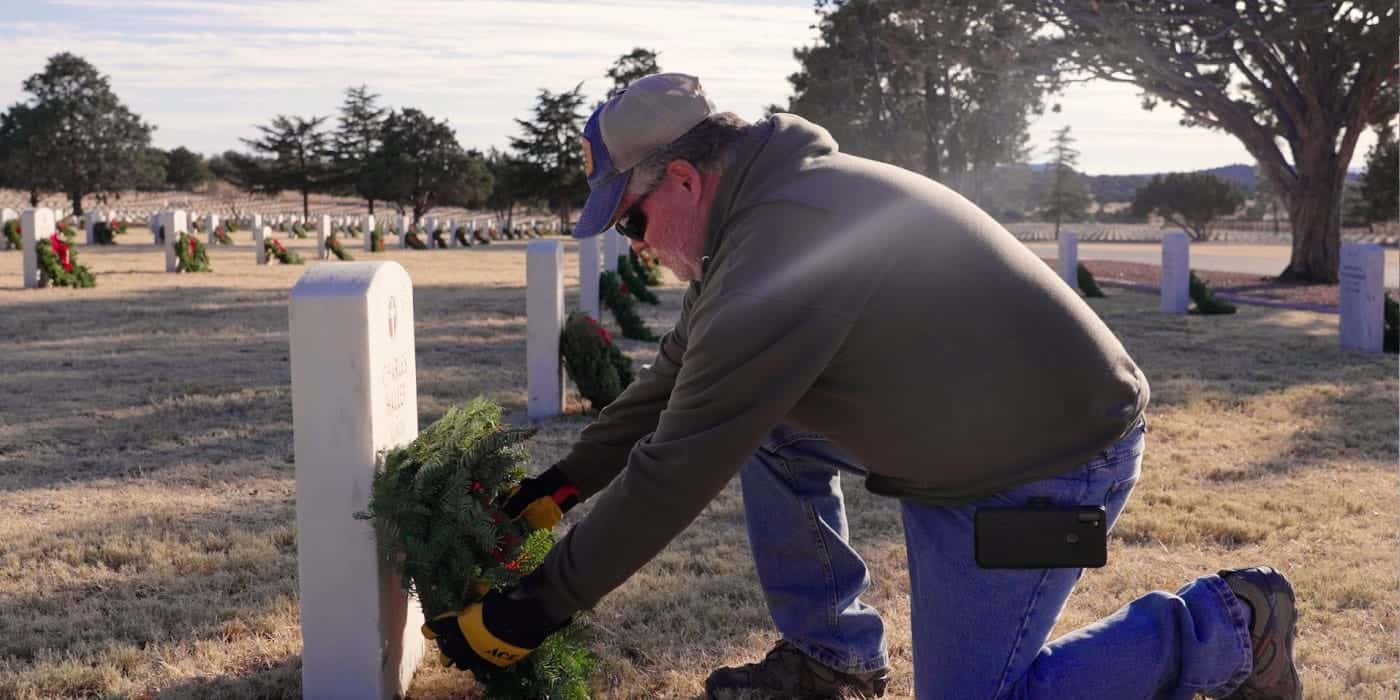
549	143
73	135
185	169
420	165
1380	184
294	154
1068	199
1193	201
357	139
637	63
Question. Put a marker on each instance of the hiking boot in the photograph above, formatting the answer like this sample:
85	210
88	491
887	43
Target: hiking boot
1270	597
786	673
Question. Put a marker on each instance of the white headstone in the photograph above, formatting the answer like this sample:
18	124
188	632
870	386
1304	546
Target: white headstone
260	236
90	220
175	223
614	244
6	215
36	227
212	222
588	271
1176	273
1069	259
354	394
323	231
544	319
369	232
1362	289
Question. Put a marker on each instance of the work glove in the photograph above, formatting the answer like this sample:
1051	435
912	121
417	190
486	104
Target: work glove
493	633
542	500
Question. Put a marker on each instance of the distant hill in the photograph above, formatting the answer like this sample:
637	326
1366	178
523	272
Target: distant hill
1120	188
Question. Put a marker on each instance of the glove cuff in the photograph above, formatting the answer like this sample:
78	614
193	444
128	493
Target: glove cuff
516	618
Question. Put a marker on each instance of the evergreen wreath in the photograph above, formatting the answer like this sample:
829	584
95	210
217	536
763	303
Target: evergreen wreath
376	240
1391	339
106	232
221	235
191	255
624	309
433	503
230	226
352	230
439	238
414	241
598	368
275	249
66	230
460	235
12	235
635	280
336	249
1206	302
298	230
1087	284
58	265
650	268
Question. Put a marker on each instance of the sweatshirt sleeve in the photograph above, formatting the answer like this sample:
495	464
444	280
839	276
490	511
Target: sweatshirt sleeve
601	449
757	343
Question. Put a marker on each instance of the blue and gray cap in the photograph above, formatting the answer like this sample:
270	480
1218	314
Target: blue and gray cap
647	116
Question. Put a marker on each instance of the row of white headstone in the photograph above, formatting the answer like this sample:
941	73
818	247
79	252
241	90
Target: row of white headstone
1361	324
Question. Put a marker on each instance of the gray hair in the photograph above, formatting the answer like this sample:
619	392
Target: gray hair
708	145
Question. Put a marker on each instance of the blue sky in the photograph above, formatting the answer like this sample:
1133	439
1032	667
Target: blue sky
206	71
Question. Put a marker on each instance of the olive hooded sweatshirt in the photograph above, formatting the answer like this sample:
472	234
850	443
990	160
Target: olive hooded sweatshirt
861	301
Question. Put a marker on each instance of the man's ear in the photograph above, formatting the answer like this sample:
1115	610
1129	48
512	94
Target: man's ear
686	178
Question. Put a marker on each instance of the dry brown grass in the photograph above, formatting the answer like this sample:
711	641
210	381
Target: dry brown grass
147	544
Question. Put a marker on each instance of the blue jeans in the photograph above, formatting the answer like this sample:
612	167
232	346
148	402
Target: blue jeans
978	633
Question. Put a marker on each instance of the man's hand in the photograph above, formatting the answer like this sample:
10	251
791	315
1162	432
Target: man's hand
542	500
489	635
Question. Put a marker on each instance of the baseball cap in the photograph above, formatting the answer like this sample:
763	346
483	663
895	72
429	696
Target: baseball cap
645	117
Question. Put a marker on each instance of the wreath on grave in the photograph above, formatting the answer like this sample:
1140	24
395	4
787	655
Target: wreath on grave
230	226
481	236
459	234
1207	304
376	240
336	249
58	265
63	228
352	230
597	367
275	249
1391	339
1087	284
440	237
635	280
221	234
12	235
298	230
414	241
433	503
191	255
106	232
650	268
617	298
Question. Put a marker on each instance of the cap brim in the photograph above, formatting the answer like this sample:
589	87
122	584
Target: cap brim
602	204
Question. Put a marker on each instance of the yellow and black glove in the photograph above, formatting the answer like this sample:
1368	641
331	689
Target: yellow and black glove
542	500
498	631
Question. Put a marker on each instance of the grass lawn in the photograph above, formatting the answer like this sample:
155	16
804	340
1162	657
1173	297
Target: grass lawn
147	546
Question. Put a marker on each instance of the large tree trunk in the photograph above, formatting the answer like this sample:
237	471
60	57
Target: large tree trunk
371	207
77	199
1314	212
306	204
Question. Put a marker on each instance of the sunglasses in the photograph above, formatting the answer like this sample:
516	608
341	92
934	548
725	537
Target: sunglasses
633	223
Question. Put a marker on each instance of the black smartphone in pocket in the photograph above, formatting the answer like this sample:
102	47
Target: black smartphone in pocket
1041	537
